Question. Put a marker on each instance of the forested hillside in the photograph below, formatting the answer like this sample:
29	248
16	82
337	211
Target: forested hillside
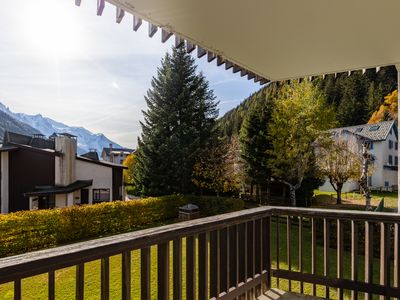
355	98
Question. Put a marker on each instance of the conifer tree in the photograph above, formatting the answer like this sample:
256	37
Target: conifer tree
178	124
255	143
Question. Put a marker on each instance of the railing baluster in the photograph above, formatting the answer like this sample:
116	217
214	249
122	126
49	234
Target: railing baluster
340	255
163	270
301	250
177	269
258	253
51	285
385	257
80	281
277	250
214	264
326	253
17	289
369	255
145	276
266	253
223	260
203	267
250	255
313	253
354	257
288	247
190	268
105	278
126	275
396	280
233	256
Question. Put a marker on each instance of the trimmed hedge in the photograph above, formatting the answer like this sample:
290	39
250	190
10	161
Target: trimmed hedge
26	231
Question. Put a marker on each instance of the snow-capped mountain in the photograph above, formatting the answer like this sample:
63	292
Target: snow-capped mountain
86	140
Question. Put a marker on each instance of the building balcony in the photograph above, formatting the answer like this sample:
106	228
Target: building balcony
250	254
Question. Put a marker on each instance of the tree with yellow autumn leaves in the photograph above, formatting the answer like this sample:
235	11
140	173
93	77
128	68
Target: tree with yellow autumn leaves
387	111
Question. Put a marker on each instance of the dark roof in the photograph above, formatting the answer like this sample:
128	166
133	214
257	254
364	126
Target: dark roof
12	138
91	155
107	150
52	190
100	162
373	132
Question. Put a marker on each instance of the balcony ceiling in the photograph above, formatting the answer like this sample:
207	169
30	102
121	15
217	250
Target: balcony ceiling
283	39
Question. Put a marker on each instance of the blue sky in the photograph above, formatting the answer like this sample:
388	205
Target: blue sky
68	64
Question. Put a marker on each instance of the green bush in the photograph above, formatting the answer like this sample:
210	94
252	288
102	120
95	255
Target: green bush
32	230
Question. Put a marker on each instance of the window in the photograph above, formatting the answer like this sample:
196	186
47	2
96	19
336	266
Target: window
370	145
390	144
374	128
396	145
396	160
101	195
390	160
386	183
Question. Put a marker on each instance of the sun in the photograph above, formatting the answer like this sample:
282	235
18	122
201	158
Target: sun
51	29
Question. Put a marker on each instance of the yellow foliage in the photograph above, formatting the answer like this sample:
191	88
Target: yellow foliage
387	111
130	163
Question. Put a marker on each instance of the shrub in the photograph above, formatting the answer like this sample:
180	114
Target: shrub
32	230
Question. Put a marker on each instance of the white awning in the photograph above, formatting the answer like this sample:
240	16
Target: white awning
279	39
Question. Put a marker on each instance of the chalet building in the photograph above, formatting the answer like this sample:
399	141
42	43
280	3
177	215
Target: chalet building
39	173
115	155
382	139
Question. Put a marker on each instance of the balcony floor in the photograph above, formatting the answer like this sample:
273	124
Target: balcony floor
276	294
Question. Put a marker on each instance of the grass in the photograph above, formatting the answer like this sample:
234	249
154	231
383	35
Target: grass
354	200
36	287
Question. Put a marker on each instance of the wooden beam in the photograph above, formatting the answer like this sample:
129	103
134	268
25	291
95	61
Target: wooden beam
120	13
228	65
179	41
100	7
190	47
78	2
152	30
220	61
210	56
201	52
137	22
165	35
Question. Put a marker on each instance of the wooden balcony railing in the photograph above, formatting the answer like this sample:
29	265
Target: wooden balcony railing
314	251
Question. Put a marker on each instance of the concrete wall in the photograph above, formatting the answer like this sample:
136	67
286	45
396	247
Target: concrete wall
65	164
101	175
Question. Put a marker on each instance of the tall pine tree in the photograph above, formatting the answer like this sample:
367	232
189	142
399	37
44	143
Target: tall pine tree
178	124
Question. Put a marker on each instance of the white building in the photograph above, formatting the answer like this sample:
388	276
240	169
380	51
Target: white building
115	155
383	144
45	173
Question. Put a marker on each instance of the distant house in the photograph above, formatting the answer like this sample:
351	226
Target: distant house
37	173
382	139
115	155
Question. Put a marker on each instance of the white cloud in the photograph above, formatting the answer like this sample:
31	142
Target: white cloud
67	63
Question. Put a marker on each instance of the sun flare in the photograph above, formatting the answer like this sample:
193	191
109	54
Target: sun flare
51	29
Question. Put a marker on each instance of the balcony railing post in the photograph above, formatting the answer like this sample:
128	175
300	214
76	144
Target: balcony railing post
51	285
369	255
80	281
145	278
289	247
266	252
105	278
203	266
177	269
17	290
215	264
340	255
190	268
326	253
354	257
313	252
301	250
163	270
396	280
126	275
385	257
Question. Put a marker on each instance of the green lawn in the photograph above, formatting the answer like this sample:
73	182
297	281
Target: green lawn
354	200
36	287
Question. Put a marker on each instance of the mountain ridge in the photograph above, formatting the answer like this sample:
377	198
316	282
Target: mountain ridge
29	124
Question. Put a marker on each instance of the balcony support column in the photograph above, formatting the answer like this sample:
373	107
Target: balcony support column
398	148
